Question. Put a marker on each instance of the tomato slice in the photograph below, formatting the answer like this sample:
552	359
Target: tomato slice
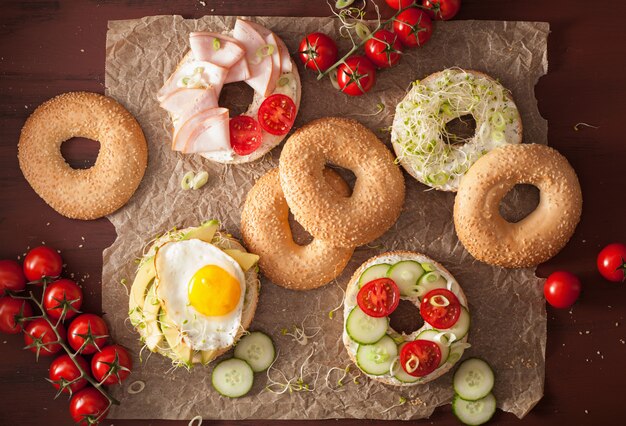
245	134
379	298
440	308
277	114
420	357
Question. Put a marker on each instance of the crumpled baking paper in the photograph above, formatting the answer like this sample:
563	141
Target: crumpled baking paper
508	312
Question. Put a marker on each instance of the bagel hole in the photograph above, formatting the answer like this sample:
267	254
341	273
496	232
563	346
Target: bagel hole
346	174
299	234
80	153
237	97
459	130
406	318
519	202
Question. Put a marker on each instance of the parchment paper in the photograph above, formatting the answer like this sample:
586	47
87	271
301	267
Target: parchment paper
508	314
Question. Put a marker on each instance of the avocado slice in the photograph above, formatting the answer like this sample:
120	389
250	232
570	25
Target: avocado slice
143	281
204	232
151	308
180	350
244	259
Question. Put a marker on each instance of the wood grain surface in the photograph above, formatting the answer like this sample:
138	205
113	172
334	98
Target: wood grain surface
50	47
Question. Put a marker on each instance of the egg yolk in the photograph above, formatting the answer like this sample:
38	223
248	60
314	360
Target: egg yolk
213	291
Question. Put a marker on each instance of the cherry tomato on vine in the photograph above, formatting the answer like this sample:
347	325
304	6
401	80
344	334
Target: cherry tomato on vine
420	357
89	330
383	49
413	26
277	114
89	407
356	75
442	10
11	311
318	51
379	298
399	4
562	289
114	363
63	371
440	308
42	262
612	262
245	134
62	295
40	338
11	276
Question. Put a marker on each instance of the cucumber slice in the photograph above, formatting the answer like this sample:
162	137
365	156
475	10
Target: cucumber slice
406	275
257	350
456	351
462	325
431	335
474	412
364	329
376	359
402	375
374	272
430	281
232	378
473	379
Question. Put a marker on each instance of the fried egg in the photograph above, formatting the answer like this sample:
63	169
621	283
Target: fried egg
202	290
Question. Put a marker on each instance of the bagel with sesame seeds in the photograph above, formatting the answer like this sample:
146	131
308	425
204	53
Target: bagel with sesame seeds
266	232
89	193
539	236
378	195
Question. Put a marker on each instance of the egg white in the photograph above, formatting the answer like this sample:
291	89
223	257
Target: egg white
175	263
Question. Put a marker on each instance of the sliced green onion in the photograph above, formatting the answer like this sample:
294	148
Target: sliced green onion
283	81
362	30
439	301
136	387
199	180
497	135
498	121
340	4
196	421
265	50
199	70
185	184
217	44
438	178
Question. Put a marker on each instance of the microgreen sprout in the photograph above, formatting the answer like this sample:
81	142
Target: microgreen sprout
401	402
577	126
299	334
295	384
380	107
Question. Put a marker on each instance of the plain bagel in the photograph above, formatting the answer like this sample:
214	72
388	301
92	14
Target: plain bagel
378	194
266	232
119	168
540	235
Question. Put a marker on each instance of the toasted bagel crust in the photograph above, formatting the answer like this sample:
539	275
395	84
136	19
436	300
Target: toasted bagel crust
120	166
378	195
540	235
266	232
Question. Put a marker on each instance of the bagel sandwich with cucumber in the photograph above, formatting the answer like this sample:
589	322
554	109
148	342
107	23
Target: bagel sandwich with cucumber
396	358
194	294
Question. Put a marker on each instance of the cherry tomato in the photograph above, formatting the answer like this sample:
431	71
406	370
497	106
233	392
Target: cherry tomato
42	262
399	4
11	276
612	262
442	10
41	339
113	359
63	370
62	294
356	75
89	330
420	357
561	289
11	311
89	407
383	49
413	27
318	51
277	114
440	308
379	298
245	134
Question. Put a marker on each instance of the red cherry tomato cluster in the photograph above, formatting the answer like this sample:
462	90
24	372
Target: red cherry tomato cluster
411	27
87	334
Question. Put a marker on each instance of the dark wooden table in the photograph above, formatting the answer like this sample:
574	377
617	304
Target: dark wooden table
50	47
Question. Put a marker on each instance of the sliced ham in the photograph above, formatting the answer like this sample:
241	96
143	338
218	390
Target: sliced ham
186	102
212	134
285	58
211	75
238	72
224	53
182	136
271	39
263	76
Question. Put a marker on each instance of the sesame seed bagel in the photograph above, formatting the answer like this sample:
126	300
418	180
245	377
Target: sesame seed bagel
378	194
540	235
119	168
266	232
